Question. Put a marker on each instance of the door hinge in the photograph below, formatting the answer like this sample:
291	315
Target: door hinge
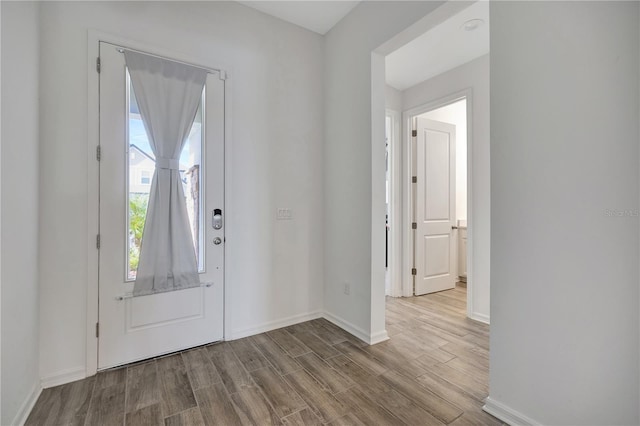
98	241
414	271
414	225
98	64
98	153
414	133
414	179
97	330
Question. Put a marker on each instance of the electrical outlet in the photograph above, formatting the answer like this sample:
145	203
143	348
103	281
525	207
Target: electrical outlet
284	214
347	288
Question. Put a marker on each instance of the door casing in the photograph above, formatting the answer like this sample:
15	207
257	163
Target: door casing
407	238
395	206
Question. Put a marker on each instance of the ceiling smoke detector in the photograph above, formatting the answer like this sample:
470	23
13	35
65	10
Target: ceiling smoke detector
472	24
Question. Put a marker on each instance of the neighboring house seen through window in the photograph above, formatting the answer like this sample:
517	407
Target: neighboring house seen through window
145	178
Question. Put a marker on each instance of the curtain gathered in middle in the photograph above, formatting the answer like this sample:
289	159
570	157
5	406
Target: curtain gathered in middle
168	95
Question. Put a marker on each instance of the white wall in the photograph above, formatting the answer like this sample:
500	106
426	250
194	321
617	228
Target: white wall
354	204
19	225
564	152
0	215
473	75
456	114
275	269
393	98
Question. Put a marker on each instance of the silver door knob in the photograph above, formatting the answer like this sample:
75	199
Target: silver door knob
217	241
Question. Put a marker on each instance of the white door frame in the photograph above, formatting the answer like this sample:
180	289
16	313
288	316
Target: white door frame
93	178
407	236
395	203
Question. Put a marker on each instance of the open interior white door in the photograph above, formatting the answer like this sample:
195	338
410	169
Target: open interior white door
135	328
435	206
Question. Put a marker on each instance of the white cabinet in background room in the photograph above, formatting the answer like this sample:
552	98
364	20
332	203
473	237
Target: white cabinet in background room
462	250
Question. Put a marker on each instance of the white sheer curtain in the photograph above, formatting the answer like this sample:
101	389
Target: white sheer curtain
168	94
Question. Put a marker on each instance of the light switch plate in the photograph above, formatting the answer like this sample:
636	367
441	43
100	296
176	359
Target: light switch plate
284	214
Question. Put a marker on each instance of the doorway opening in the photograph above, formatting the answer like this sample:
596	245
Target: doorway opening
439	83
435	182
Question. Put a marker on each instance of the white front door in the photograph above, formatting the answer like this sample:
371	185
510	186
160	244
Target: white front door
135	328
435	206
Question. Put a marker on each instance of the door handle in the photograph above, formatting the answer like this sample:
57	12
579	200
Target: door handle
217	241
454	227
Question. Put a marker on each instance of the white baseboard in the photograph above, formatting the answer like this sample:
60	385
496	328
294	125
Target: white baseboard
273	325
507	414
295	319
371	339
378	337
479	317
27	405
62	377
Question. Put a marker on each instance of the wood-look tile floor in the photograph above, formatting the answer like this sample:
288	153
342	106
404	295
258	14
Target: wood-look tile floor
433	371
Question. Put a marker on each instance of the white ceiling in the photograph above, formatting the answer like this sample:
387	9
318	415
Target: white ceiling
441	49
317	16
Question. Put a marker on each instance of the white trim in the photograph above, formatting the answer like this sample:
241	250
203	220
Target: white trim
94	38
63	377
470	205
93	191
478	317
27	405
273	325
371	339
379	337
300	318
152	49
507	414
407	237
377	207
1	204
229	226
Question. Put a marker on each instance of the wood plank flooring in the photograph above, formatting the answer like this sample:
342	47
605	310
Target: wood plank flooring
433	371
